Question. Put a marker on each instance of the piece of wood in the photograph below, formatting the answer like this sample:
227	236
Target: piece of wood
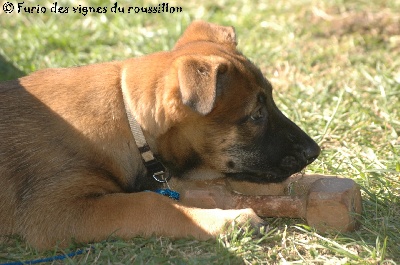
328	203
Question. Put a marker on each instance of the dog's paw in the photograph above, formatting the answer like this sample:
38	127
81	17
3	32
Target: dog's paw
247	221
210	223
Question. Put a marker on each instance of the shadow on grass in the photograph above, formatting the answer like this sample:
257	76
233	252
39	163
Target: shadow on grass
8	71
154	250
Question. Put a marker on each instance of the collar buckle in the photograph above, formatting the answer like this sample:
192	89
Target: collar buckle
160	177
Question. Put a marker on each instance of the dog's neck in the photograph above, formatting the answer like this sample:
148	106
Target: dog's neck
153	165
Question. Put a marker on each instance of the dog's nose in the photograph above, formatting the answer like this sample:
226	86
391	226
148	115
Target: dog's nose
311	153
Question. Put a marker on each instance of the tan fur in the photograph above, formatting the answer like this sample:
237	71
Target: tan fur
67	156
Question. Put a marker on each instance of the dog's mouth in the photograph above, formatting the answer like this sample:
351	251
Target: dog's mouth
287	167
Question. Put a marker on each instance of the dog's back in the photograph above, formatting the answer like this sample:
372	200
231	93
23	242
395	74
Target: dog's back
48	130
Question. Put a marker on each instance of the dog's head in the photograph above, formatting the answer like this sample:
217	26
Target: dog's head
231	124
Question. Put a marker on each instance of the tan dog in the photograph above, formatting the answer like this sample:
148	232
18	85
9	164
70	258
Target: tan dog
69	164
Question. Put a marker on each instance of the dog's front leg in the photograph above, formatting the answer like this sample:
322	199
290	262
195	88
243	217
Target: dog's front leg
127	215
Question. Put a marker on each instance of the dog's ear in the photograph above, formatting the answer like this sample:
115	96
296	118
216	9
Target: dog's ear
201	81
204	31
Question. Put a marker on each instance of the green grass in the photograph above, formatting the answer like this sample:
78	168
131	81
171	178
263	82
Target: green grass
335	66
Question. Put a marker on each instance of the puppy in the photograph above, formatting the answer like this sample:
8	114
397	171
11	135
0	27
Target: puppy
80	147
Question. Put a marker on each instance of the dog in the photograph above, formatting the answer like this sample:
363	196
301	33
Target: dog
73	170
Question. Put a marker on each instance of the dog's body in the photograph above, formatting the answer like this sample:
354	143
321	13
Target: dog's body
69	165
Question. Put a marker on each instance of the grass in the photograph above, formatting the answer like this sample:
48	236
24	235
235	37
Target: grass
335	66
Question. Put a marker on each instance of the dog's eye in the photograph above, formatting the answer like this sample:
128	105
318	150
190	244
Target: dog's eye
257	115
